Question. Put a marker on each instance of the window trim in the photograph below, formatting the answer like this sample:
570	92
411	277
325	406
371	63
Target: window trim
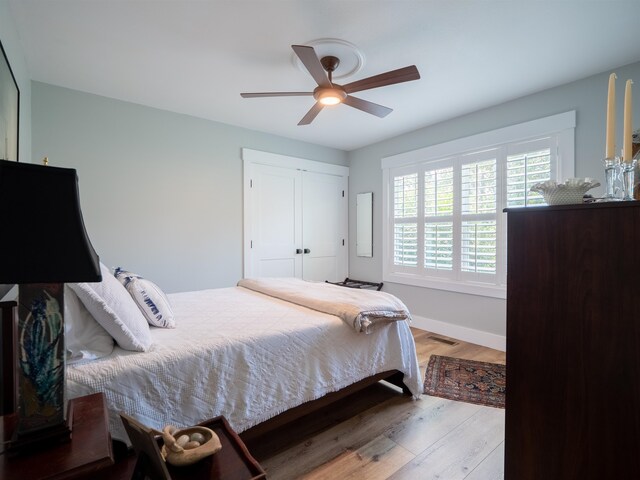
562	125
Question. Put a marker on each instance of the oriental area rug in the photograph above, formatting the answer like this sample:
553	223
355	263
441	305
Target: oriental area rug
468	381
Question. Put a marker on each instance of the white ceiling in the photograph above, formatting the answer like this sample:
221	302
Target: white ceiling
195	57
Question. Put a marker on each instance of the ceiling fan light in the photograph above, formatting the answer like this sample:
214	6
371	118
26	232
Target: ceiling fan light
330	100
329	96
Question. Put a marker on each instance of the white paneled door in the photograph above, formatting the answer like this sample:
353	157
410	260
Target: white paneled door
323	239
276	207
295	222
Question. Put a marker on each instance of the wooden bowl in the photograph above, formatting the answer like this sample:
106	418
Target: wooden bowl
179	456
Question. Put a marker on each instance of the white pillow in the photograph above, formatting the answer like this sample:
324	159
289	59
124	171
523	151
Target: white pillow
151	300
114	309
84	338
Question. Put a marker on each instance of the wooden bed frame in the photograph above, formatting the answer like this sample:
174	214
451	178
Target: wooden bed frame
394	377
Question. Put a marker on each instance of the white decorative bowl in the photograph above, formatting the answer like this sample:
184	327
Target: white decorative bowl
569	192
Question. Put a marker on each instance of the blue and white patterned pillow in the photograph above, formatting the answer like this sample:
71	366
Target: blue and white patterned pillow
124	276
150	299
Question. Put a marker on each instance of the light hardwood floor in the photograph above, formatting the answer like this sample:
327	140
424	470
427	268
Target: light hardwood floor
381	434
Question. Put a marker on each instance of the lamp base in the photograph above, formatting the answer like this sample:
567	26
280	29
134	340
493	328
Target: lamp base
41	417
43	438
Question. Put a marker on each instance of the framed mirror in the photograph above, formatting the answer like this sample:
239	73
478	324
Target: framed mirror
9	110
364	224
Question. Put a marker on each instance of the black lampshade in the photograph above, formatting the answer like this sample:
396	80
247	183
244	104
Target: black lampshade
43	239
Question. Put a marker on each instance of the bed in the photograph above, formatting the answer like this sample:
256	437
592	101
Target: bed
245	355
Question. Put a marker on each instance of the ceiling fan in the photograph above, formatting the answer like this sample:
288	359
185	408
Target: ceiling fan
329	93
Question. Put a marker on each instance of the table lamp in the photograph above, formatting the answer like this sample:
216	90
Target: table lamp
42	245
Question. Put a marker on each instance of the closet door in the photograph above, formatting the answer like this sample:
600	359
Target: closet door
276	212
296	218
324	216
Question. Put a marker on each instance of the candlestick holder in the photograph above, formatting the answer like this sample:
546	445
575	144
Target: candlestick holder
612	173
636	157
628	179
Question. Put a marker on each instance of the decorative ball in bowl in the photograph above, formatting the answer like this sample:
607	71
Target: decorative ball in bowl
569	192
188	445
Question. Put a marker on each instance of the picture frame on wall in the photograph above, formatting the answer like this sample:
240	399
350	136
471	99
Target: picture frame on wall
9	110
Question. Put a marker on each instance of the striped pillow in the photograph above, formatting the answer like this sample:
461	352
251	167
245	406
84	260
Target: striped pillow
150	299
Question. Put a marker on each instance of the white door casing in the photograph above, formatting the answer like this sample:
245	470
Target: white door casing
295	217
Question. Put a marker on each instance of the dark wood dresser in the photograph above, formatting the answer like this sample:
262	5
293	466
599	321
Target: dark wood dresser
573	342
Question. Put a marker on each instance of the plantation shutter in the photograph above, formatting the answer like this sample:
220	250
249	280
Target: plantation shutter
405	218
479	203
438	223
527	164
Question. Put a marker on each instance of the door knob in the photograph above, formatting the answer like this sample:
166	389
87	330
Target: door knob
306	250
298	251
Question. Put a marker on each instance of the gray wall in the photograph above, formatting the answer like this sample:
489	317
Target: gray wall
588	97
13	49
161	192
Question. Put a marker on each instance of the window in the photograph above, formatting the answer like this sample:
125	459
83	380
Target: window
443	222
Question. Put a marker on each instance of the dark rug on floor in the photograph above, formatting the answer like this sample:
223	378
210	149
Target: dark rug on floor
468	381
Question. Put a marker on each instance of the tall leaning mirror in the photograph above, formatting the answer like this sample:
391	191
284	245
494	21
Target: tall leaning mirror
364	222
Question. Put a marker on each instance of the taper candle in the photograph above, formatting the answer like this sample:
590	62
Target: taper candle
627	143
610	150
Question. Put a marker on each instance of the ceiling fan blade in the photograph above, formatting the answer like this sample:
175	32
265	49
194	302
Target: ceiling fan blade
366	106
276	94
309	59
311	114
400	75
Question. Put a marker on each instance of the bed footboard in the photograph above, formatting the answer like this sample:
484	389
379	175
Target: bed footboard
393	376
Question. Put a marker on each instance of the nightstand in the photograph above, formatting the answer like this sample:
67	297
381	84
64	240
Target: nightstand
88	451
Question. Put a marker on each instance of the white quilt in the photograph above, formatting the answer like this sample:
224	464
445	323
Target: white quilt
241	354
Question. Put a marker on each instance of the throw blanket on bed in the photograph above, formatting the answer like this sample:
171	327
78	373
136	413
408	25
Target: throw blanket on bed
361	309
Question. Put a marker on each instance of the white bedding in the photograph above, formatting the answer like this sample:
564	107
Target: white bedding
241	354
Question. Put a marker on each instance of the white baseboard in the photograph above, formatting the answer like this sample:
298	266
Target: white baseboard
486	339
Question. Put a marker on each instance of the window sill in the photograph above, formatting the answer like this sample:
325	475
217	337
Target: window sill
469	288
